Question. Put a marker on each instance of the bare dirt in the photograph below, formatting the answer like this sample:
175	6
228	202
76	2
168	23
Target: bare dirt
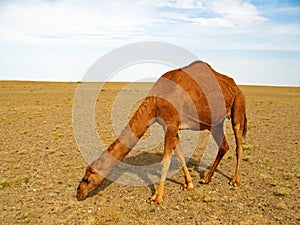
41	165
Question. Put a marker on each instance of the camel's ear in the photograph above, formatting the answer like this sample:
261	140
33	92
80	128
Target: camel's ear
90	170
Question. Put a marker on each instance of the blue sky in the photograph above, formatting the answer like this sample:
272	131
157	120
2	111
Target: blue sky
255	42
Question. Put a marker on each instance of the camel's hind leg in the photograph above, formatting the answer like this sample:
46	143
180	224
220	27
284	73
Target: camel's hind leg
238	132
219	137
239	125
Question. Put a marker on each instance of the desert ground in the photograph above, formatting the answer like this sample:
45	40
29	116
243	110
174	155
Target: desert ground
41	164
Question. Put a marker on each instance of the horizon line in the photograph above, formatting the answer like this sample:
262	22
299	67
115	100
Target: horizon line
79	82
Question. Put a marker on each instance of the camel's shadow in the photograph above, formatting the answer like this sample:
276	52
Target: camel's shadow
144	169
194	163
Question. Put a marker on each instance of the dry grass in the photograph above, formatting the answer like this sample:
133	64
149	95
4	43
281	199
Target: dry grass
41	164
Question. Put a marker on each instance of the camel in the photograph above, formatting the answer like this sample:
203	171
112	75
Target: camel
194	97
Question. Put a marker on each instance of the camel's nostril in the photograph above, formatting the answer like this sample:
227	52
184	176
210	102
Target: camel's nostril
80	197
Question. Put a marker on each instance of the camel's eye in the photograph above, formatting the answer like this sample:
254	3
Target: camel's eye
85	180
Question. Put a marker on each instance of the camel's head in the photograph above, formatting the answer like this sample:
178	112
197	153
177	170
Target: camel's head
89	182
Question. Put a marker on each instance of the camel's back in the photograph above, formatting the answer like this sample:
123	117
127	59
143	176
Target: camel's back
198	86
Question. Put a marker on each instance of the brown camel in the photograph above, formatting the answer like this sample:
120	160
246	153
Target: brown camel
194	97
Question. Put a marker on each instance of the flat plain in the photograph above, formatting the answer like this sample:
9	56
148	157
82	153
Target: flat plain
41	164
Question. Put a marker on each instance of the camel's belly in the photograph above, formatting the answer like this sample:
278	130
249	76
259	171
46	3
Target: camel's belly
189	123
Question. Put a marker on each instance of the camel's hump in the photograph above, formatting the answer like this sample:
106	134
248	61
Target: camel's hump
210	92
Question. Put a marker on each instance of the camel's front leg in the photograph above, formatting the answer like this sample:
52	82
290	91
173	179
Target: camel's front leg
170	143
157	198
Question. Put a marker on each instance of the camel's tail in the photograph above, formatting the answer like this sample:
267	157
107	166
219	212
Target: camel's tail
245	126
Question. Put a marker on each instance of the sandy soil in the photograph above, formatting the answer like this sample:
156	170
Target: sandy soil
41	164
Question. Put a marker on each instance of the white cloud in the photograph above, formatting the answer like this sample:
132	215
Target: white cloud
222	24
237	12
288	10
219	13
64	21
182	4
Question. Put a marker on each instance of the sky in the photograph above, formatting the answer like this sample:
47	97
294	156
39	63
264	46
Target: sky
255	42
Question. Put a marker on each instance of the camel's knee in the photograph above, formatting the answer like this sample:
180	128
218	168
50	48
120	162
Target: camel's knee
224	147
239	151
238	130
236	127
166	162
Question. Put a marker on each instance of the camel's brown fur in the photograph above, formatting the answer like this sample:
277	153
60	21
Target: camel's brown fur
194	97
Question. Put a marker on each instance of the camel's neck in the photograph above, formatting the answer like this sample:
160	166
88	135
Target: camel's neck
110	158
117	151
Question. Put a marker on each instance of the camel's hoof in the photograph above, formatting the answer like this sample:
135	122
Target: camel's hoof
188	186
204	181
234	183
155	199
